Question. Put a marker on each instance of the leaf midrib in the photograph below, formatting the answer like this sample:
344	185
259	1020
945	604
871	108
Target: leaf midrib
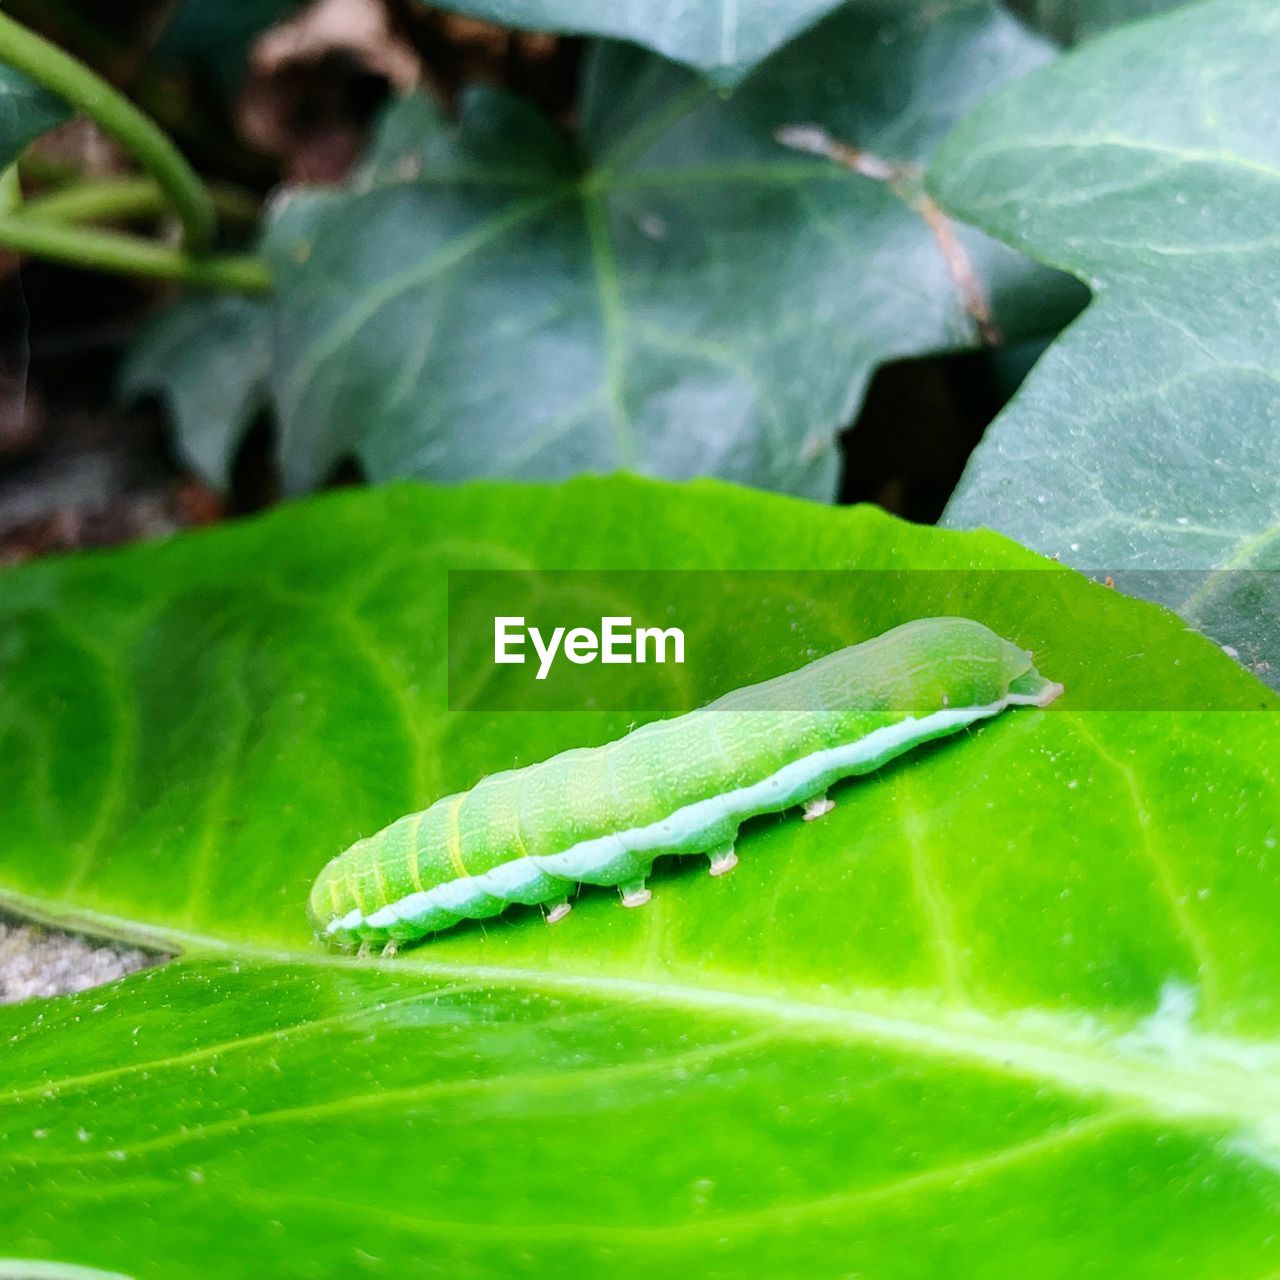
1017	1043
1214	1082
1182	155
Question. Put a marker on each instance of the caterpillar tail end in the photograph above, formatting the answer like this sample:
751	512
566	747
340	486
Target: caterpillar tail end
1051	692
1033	690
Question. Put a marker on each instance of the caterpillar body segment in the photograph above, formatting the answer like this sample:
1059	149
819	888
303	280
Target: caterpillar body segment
601	815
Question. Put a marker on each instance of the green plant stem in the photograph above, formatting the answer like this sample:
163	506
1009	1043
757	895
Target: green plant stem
113	251
10	190
47	171
66	76
113	199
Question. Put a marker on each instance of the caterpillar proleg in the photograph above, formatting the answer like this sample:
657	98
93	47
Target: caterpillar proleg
601	815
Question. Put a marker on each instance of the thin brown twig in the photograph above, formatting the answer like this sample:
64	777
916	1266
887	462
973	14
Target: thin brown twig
960	267
904	180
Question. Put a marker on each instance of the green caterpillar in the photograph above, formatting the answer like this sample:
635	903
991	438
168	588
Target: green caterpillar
601	815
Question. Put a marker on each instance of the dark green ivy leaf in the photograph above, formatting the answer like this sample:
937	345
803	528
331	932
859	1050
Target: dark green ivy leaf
1146	441
26	111
681	295
723	39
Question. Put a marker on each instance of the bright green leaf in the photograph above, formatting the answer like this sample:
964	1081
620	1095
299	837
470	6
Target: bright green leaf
699	300
1010	1010
1146	439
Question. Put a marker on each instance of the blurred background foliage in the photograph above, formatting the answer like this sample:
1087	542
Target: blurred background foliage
266	96
528	239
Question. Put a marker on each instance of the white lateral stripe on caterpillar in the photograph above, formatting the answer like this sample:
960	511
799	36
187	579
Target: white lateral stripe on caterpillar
580	861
